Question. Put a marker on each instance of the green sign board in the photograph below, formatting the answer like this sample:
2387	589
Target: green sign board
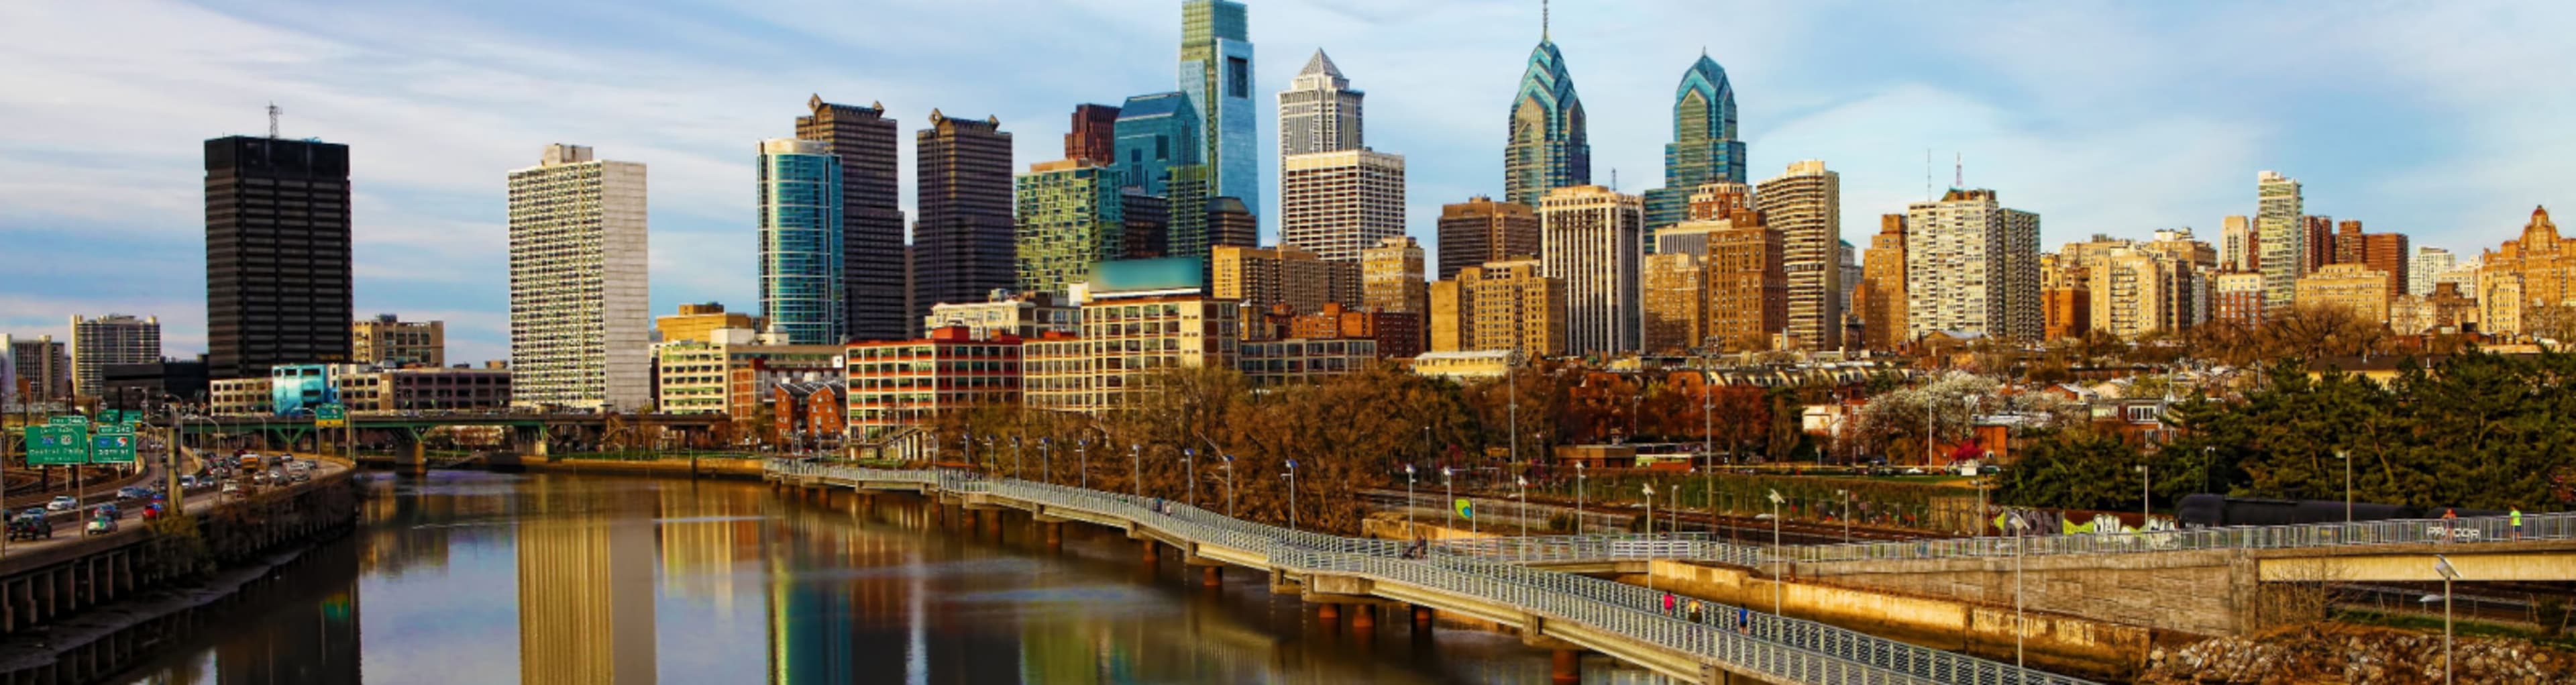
68	420
330	416
112	445
57	445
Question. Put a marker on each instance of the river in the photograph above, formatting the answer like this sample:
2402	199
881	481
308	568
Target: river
470	577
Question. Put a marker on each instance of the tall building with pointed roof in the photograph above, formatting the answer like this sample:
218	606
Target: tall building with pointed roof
1319	112
1705	148
1548	147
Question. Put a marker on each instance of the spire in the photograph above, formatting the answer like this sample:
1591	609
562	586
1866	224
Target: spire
1320	64
1542	21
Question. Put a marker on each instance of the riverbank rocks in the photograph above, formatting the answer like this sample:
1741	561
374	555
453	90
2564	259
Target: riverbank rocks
2355	654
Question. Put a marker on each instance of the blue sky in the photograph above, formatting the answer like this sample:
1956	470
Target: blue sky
2442	120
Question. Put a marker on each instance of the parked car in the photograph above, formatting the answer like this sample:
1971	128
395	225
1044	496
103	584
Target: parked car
63	503
30	525
100	525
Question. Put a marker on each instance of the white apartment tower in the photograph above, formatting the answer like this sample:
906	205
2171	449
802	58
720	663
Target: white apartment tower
111	339
1972	265
1337	204
2282	238
1319	112
1593	239
1805	205
580	305
2429	263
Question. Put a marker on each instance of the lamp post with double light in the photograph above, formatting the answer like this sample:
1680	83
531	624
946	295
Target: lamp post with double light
1229	485
1779	562
1578	498
1408	499
1292	494
1190	472
2442	565
1523	482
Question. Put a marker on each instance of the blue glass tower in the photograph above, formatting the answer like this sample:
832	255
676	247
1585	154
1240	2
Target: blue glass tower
801	286
1548	147
1155	133
1216	75
1704	148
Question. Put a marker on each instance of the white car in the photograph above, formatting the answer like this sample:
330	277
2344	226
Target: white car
62	503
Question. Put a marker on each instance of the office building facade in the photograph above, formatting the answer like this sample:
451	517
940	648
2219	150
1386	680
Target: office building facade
1157	134
1319	112
1391	277
1591	238
2280	227
1804	205
1094	135
277	254
1483	230
876	297
1337	204
112	339
389	341
579	286
800	224
964	241
1502	305
1216	74
1881	298
1972	266
1549	147
1070	219
1704	148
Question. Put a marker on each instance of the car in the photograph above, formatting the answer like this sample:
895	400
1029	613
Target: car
1914	472
133	492
152	512
63	503
99	525
299	476
259	478
30	525
231	488
107	510
187	481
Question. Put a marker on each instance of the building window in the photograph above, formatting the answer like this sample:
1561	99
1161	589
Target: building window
1238	78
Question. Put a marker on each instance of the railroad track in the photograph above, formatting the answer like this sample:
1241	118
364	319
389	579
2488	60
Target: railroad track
1747	529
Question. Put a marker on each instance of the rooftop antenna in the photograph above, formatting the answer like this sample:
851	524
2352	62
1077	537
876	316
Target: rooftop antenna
1542	20
1927	173
273	111
1614	179
1958	170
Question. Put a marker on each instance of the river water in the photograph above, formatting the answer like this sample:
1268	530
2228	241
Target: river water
465	577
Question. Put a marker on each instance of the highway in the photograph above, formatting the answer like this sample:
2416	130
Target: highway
68	525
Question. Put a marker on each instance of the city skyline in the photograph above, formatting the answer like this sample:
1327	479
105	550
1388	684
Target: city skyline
2079	122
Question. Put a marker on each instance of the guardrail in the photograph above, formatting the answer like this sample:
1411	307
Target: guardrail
2485	529
1758	644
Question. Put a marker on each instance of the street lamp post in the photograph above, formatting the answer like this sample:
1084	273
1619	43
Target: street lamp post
2020	627
1578	498
1229	485
2146	496
1524	512
1779	561
1292	494
1046	460
1015	458
1190	471
2346	458
1136	467
2442	565
1448	501
1970	422
1649	489
1846	498
1408	499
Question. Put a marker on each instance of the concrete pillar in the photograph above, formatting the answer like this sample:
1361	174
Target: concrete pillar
1212	576
1328	612
1567	667
1054	535
1422	617
1152	556
1363	617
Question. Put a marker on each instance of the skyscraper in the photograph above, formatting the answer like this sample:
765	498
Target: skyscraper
111	339
1882	295
1338	203
1805	205
1481	230
2428	263
874	295
1548	148
963	241
2239	248
1704	147
2282	236
801	262
1216	73
580	299
1319	112
1591	238
1674	293
1094	135
1156	133
1972	265
277	254
1391	277
1070	219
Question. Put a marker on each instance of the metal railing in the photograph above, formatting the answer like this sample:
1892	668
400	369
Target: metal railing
1759	644
2463	531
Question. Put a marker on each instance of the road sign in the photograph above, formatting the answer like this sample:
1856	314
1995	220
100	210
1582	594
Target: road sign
68	420
112	445
330	416
57	445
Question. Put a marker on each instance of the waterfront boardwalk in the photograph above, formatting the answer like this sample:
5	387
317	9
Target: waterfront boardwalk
1553	610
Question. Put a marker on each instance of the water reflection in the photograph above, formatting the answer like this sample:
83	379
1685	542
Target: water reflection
488	578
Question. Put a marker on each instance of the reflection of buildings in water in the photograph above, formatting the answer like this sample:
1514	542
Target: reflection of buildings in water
417	529
705	533
841	599
313	639
585	592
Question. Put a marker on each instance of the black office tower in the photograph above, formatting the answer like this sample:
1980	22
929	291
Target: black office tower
277	254
872	254
966	241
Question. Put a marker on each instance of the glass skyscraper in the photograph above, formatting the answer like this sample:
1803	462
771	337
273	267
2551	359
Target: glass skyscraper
1155	133
1548	147
1071	219
1705	148
1216	75
801	286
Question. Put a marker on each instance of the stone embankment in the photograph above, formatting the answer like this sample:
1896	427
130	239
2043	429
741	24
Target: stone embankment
2353	654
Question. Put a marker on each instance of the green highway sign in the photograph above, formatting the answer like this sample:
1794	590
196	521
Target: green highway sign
68	420
112	445
330	416
57	445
